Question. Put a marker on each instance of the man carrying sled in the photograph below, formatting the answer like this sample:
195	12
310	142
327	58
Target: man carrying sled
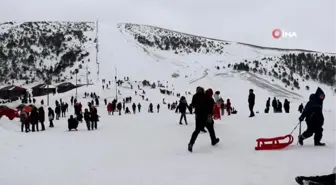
313	113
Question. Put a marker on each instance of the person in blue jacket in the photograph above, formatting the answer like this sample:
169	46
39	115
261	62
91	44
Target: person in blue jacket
313	115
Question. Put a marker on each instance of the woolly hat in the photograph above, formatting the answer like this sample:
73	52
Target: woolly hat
209	91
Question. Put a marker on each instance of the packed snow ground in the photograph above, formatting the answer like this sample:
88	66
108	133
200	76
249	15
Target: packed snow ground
151	149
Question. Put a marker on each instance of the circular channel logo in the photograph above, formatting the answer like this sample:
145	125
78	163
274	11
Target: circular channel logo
276	33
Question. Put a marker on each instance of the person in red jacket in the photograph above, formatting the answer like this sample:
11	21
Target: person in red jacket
109	108
228	106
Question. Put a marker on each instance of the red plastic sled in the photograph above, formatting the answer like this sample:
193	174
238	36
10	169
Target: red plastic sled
274	143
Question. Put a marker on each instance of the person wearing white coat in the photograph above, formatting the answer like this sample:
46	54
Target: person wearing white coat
217	97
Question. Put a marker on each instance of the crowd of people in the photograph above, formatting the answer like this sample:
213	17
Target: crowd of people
203	104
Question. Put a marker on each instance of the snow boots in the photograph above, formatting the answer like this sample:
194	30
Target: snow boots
213	143
317	143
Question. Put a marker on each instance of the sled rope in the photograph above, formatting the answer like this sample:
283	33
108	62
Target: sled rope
299	131
295	128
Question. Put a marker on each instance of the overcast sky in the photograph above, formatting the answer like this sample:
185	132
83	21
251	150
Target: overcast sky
250	21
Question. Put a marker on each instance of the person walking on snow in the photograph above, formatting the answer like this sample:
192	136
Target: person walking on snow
274	104
268	104
228	106
34	118
41	117
300	109
158	108
139	107
251	101
217	97
182	107
134	108
195	101
109	108
24	121
203	103
87	119
51	116
313	114
286	106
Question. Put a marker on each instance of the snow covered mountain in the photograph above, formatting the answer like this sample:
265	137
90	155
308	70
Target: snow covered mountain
58	49
178	45
41	51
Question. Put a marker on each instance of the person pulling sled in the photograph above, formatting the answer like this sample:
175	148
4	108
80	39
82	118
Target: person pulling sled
317	180
313	115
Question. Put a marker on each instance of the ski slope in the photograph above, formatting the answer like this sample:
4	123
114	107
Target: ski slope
151	149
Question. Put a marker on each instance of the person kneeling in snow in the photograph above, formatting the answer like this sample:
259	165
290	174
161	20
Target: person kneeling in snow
72	123
317	180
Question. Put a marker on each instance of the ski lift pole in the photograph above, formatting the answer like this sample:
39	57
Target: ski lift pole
115	67
48	93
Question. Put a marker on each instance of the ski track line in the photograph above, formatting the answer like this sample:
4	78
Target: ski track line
200	78
275	89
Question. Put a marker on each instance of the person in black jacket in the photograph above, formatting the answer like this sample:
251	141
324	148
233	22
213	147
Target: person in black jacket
158	108
63	109
24	120
134	108
286	106
279	108
251	101
34	117
51	116
313	113
268	104
119	107
274	104
203	103
87	118
42	117
72	123
94	117
300	109
196	103
139	107
182	107
58	111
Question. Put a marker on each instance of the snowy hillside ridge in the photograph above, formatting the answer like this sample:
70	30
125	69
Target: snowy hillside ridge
35	51
153	33
287	65
291	68
165	39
